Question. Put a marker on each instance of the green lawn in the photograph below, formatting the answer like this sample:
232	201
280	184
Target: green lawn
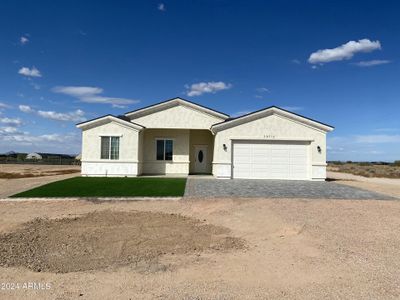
109	187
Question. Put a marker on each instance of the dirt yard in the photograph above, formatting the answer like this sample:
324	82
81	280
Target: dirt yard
10	171
388	186
200	249
367	170
208	249
19	178
108	239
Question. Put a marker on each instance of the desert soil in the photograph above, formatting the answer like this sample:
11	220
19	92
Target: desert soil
367	169
30	176
200	248
292	249
106	239
388	186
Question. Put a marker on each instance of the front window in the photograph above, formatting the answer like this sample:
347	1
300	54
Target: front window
164	149
109	147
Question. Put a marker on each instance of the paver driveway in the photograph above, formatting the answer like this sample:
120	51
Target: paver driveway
198	187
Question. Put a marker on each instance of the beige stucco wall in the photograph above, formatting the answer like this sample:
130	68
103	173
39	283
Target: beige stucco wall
273	127
178	117
201	137
180	162
140	152
91	141
126	165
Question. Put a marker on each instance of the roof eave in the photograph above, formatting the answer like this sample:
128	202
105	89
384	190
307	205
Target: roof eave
112	118
273	109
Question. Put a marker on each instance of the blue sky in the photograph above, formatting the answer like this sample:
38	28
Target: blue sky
67	61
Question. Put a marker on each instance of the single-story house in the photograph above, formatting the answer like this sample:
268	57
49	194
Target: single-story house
179	137
34	155
42	155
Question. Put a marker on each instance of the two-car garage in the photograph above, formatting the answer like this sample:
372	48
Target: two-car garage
270	144
270	159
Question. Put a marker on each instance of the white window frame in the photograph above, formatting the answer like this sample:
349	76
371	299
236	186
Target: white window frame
109	146
164	139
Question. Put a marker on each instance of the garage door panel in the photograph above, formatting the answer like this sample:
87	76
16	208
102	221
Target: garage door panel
270	160
242	152
298	161
261	159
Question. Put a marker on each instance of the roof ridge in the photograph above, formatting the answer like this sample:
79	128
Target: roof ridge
176	98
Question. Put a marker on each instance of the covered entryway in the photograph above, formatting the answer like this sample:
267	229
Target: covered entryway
201	151
270	160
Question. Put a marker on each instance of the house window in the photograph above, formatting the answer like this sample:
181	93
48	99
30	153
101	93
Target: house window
164	149
109	147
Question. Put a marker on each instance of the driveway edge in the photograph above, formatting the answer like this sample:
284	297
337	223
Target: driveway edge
92	199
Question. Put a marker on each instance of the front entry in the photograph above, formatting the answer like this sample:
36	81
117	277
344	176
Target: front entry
200	159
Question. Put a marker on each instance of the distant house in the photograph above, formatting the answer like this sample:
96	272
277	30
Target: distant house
41	155
34	155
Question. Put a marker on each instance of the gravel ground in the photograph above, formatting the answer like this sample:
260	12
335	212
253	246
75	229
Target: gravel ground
109	239
295	249
10	187
387	186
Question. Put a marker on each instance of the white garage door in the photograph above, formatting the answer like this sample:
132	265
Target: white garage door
270	160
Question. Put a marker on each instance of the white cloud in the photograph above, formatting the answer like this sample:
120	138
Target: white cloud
108	100
11	121
4	106
78	91
118	106
90	94
345	51
293	108
30	72
74	116
296	61
35	85
161	7
23	40
240	113
11	139
25	108
7	130
262	90
200	88
364	147
371	63
377	138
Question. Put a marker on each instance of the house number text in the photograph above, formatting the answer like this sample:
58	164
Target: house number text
269	136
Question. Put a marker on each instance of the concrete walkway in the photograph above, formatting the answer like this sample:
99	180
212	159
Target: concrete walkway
276	189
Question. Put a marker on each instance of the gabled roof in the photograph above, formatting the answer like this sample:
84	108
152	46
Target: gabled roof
121	120
232	122
171	103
